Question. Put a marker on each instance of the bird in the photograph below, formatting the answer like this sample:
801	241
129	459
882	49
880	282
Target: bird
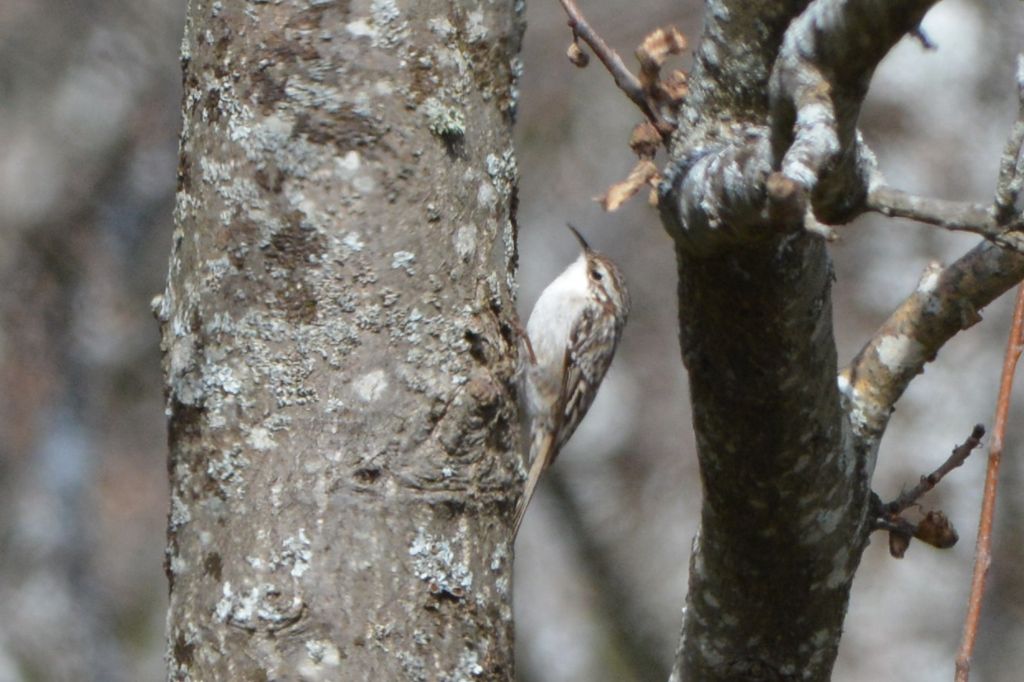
573	331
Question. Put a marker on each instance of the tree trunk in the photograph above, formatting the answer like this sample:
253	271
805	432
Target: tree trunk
338	342
767	146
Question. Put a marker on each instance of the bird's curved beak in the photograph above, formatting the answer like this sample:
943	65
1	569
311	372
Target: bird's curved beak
579	237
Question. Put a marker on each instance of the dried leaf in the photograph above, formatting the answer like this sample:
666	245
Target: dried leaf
576	55
643	173
645	140
661	43
654	50
936	530
898	543
672	90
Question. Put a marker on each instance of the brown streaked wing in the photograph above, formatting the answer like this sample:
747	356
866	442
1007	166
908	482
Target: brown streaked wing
584	368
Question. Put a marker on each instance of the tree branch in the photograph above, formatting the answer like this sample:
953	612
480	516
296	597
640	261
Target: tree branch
993	223
818	84
624	78
1011	166
934	529
956	458
729	194
957	216
946	301
733	62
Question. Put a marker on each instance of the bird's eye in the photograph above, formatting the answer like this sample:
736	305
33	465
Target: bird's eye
596	274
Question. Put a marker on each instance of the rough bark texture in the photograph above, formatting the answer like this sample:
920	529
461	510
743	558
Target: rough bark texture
767	144
783	501
338	353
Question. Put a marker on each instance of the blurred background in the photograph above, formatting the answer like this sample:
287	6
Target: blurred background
89	119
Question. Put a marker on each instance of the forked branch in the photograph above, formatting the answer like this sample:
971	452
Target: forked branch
947	299
818	84
998	223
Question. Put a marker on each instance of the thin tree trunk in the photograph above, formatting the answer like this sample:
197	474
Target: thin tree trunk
339	352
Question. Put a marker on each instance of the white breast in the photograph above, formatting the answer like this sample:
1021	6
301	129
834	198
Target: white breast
550	323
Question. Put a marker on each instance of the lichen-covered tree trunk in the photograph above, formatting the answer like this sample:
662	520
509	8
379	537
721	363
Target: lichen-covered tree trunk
338	349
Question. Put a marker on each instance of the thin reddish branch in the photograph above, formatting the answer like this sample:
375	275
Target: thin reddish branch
624	78
983	549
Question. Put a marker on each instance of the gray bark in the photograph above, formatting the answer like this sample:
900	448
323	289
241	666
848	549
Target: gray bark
340	354
767	145
338	351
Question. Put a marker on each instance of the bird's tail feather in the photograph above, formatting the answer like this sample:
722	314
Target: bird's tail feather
541	449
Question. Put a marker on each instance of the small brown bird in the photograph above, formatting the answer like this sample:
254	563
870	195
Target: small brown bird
574	329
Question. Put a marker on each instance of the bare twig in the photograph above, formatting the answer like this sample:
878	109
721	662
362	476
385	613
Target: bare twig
624	78
955	459
951	215
895	524
934	529
995	223
1011	166
983	549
